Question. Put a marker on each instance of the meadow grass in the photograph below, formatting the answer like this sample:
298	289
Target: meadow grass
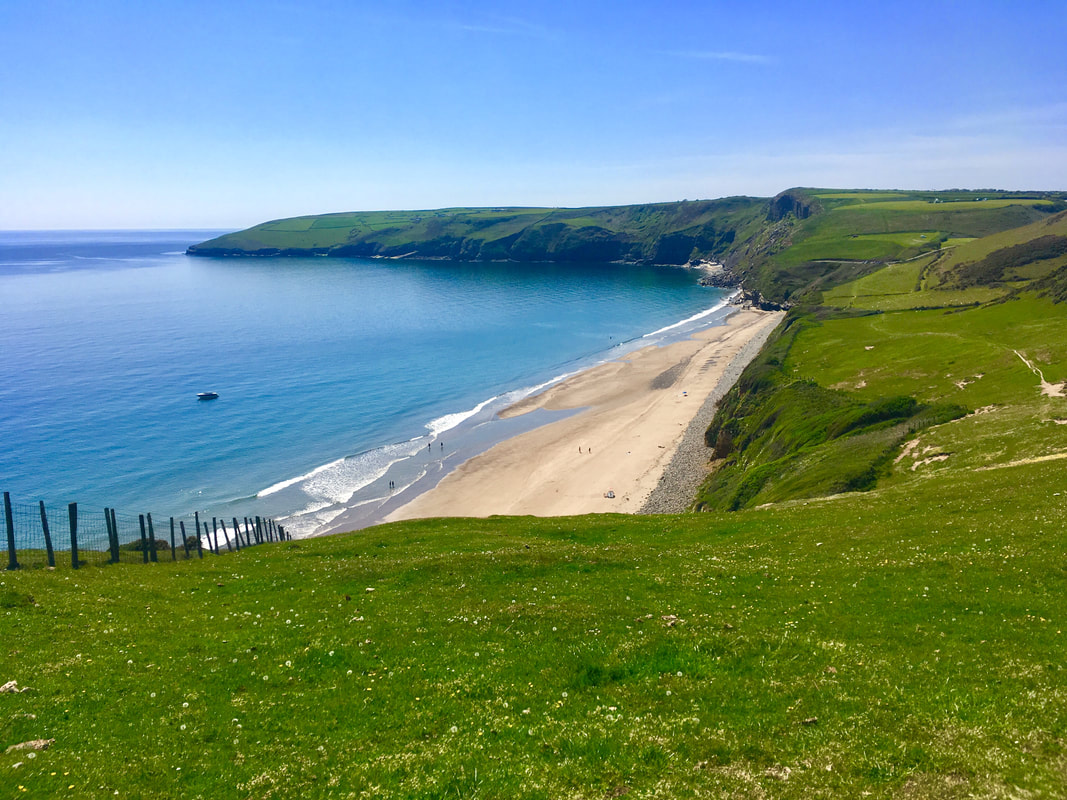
853	247
906	642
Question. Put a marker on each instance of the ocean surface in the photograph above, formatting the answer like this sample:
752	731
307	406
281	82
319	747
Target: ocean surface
341	382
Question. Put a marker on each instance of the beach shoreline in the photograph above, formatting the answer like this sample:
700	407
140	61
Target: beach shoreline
631	443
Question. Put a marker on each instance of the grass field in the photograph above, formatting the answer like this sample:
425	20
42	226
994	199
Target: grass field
844	647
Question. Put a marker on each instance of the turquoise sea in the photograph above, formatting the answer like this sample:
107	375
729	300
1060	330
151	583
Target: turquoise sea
341	382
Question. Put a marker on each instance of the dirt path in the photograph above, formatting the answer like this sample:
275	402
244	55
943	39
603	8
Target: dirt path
1047	389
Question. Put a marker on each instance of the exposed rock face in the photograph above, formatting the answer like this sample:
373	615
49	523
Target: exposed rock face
716	274
791	202
756	300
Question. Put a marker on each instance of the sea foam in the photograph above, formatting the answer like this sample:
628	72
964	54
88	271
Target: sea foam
698	316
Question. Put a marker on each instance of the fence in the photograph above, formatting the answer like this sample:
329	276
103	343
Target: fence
38	536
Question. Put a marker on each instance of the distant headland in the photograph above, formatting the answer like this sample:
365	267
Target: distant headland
772	246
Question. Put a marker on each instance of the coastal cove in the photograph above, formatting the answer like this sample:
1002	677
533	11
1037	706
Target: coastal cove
330	373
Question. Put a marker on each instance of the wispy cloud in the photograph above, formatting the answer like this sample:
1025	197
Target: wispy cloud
503	26
721	55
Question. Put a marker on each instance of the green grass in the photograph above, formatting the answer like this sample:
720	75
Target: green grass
832	649
904	286
906	641
945	207
846	235
658	233
924	353
860	196
862	247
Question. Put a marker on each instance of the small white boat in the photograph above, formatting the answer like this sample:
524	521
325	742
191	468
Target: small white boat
207	395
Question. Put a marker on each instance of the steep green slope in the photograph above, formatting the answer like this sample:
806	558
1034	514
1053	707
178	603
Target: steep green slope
669	233
829	404
833	236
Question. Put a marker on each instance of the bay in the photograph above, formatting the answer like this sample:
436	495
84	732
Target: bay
335	376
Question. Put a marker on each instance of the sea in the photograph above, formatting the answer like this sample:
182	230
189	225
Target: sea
345	386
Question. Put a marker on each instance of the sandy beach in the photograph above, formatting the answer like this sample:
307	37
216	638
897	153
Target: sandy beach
611	455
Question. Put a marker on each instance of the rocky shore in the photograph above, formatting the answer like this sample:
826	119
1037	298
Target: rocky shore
689	466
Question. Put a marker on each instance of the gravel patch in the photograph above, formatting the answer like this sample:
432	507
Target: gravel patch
688	466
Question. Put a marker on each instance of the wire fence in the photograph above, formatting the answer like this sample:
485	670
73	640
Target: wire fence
42	536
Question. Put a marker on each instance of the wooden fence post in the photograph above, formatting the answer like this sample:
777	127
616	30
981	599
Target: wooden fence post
226	536
9	518
112	538
185	542
173	549
236	535
72	515
47	537
115	529
215	532
152	541
259	531
199	545
144	540
248	533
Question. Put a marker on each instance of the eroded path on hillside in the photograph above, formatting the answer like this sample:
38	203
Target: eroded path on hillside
1047	389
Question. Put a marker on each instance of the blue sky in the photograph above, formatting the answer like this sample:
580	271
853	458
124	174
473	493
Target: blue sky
224	114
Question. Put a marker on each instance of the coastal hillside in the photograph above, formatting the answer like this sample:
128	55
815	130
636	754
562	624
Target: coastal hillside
870	603
818	238
776	248
950	361
661	233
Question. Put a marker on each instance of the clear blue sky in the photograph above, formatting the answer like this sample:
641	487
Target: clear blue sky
223	114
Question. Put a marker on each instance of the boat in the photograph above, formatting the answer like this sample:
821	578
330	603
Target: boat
207	395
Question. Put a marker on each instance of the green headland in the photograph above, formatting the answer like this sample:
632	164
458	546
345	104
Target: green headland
867	599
